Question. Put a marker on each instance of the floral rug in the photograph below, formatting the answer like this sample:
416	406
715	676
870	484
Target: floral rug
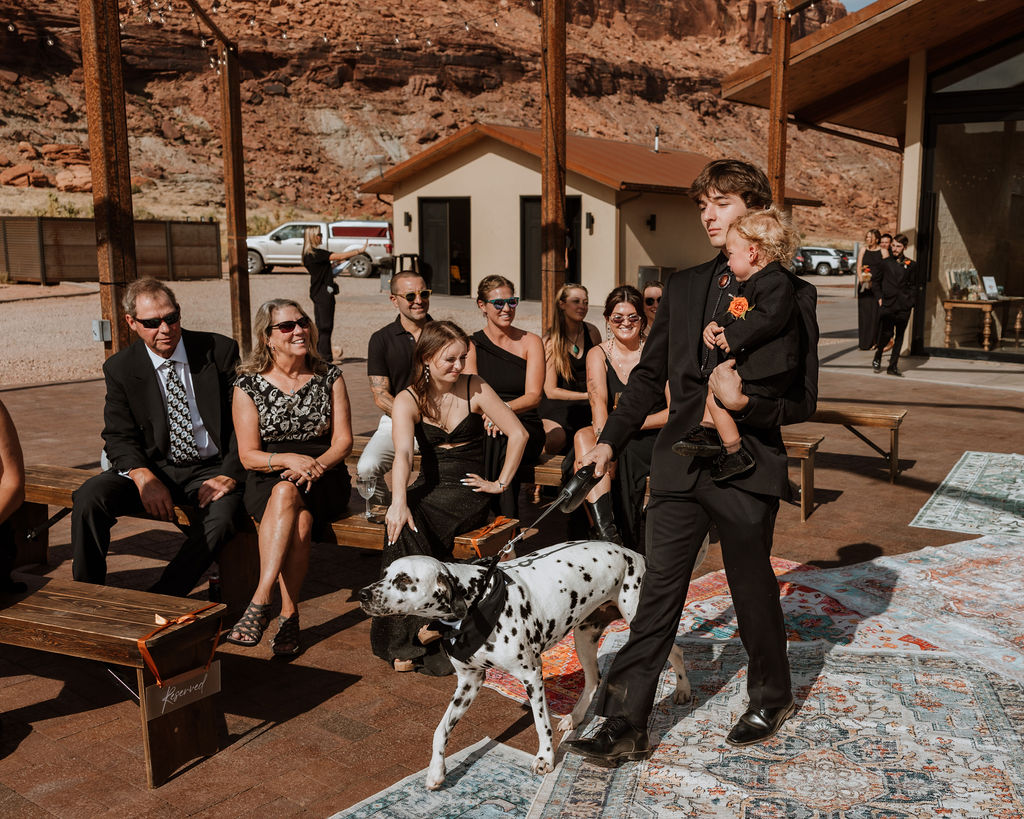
966	597
982	494
877	734
485	781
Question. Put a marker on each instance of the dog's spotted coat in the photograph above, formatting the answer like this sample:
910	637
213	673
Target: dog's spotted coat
552	592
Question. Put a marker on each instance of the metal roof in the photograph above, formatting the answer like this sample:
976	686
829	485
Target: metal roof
622	166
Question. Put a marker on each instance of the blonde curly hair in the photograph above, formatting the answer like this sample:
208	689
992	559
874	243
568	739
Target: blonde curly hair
770	231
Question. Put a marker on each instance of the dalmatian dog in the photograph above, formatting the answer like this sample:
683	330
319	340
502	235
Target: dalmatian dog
550	593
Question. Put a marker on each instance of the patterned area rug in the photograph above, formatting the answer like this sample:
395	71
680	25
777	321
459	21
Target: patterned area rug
876	734
983	494
966	597
485	781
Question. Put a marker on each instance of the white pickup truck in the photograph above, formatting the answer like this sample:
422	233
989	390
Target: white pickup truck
283	245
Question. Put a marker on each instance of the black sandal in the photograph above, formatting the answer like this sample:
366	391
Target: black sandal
286	642
252	625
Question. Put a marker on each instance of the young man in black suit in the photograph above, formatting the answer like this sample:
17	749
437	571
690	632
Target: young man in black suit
893	286
685	501
169	438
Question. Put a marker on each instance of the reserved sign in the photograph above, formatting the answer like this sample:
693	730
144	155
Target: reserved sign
181	690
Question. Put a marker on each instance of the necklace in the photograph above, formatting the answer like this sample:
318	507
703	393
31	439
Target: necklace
295	382
575	344
623	368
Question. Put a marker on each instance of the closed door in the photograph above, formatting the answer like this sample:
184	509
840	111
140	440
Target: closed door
445	251
531	247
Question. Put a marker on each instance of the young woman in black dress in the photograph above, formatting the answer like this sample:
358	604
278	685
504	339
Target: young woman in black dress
443	410
511	361
565	407
616	506
869	263
292	422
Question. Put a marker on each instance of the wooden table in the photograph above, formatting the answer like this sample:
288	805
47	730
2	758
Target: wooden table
949	305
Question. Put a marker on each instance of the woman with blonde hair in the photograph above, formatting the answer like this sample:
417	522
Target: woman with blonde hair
566	407
443	410
292	422
322	288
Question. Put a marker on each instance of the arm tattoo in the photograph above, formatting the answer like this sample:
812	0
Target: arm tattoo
380	387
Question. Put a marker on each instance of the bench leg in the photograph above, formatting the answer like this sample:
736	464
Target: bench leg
31	516
239	564
894	454
806	487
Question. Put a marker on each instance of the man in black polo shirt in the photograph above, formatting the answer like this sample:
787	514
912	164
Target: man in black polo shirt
389	365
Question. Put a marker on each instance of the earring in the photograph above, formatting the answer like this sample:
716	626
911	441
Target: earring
426	373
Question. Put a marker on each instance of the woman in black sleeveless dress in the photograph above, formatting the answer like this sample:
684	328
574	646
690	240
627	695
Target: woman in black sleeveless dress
443	410
616	503
511	361
869	263
565	407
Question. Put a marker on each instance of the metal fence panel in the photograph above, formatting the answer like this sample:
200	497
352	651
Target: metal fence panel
24	258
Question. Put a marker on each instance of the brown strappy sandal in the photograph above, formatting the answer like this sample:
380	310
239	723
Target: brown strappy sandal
251	626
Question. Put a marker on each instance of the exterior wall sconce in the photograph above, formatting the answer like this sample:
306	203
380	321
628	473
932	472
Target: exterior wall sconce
407	220
652	221
590	222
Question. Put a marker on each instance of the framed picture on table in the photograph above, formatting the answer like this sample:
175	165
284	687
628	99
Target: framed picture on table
991	288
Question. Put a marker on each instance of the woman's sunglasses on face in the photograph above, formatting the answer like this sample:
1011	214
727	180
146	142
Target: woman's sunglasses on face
499	304
412	294
618	318
650	301
153	323
289	326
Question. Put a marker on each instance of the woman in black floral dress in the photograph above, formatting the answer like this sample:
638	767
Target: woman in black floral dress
292	422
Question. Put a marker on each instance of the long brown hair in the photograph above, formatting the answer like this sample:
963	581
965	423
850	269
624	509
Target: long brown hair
261	358
558	334
434	337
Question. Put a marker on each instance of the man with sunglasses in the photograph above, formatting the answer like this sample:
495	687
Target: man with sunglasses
169	438
685	501
389	368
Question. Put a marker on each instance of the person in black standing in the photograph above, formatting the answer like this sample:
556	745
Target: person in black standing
322	288
684	499
869	262
894	289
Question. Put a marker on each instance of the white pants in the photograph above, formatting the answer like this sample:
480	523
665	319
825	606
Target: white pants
379	452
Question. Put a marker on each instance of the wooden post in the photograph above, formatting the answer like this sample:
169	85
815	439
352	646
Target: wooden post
553	163
778	114
108	158
234	184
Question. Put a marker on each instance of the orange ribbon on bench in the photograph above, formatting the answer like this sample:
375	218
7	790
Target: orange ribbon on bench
497	523
163	623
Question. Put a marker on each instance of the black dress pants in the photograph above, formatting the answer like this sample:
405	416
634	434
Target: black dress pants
888	325
323	317
676	526
101	500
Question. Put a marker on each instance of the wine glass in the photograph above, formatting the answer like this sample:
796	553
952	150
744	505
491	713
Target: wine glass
366	487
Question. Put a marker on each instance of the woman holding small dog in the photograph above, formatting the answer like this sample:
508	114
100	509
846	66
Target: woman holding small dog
442	410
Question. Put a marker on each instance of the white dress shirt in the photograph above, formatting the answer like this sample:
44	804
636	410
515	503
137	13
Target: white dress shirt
204	443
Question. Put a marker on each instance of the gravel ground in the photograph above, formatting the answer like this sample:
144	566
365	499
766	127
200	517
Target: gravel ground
50	339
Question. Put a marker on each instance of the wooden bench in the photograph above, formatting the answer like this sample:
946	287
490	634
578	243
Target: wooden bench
180	720
867	415
356	530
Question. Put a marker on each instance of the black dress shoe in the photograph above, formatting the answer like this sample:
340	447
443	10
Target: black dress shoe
757	724
876	366
615	741
894	371
732	465
699	442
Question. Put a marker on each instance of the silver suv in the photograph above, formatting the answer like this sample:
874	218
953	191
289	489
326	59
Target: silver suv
824	261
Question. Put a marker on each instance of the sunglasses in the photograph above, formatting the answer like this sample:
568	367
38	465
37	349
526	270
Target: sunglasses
618	318
650	301
153	323
412	294
499	304
289	326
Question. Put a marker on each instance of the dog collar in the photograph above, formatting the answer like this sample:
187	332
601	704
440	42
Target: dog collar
461	642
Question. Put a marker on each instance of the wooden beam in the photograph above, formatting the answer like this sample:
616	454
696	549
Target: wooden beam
778	112
108	158
553	160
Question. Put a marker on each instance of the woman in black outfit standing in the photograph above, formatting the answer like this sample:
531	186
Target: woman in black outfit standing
869	263
511	361
322	288
566	407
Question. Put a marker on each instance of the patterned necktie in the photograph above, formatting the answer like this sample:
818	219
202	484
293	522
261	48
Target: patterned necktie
183	439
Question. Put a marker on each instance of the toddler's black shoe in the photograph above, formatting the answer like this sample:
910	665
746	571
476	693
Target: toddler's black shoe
732	465
699	442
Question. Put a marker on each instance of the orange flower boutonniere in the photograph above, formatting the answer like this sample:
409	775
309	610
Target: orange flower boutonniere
739	307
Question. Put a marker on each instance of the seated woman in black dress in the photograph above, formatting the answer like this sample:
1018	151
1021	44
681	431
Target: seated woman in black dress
608	368
565	407
292	421
443	410
511	361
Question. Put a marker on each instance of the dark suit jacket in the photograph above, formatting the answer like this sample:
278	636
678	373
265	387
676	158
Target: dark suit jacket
894	284
135	418
672	353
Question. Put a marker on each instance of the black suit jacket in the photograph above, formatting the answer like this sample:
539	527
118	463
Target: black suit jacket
672	353
135	418
894	284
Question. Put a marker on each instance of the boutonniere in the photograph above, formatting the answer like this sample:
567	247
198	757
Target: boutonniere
906	262
739	307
